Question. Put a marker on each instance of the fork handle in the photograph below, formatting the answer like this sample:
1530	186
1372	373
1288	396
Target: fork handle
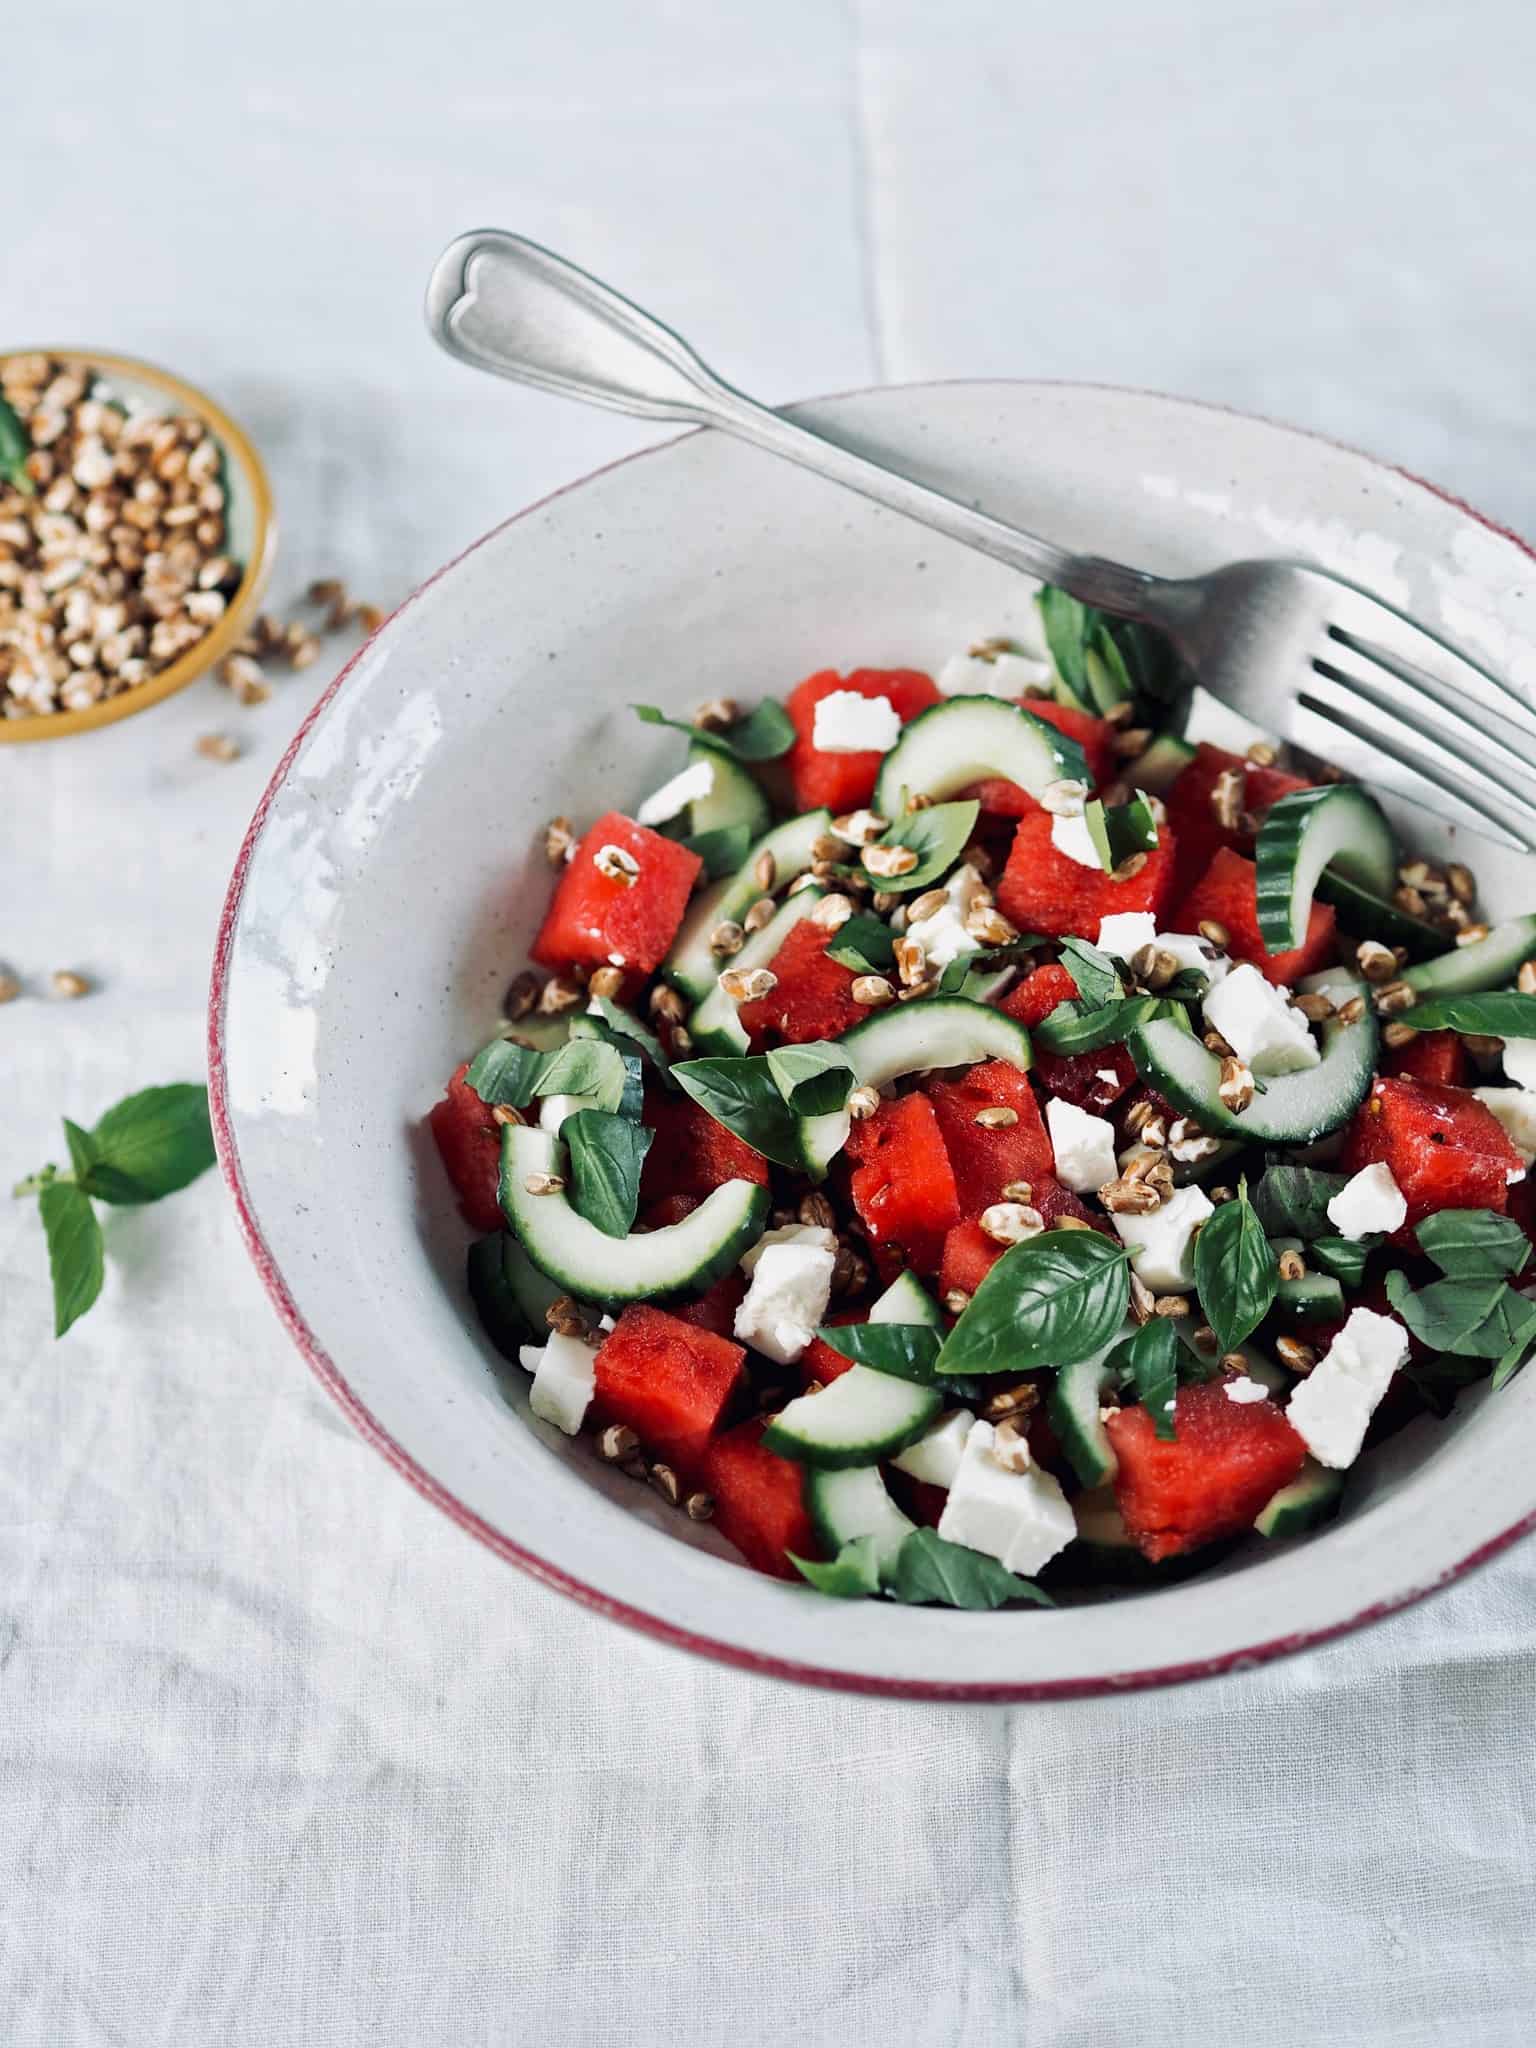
504	304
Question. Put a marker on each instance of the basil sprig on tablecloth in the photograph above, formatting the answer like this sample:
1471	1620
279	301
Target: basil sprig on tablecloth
927	1571
938	836
151	1145
763	735
1237	1273
907	1351
1149	1361
1496	1014
606	1153
1048	1302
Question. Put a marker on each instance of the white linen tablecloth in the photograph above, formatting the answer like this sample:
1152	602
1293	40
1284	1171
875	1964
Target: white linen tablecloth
285	1758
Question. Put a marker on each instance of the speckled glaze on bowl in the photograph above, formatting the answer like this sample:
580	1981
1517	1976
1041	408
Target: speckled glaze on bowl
392	878
248	517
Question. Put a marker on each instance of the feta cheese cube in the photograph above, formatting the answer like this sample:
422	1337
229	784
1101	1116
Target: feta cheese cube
1372	1200
1020	1518
943	936
1197	954
564	1374
1515	1109
847	723
935	1457
554	1109
1124	934
1244	1389
1520	1061
788	1233
1162	1243
1257	1021
1072	837
791	1285
1084	1146
688	787
1333	1405
1000	675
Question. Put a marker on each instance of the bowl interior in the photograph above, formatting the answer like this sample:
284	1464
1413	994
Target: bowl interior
393	879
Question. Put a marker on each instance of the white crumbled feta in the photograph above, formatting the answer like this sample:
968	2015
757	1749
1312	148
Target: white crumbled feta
1020	1518
1371	1201
554	1109
690	786
1520	1061
935	1457
1515	1109
1107	1075
943	936
847	723
1244	1389
788	1233
1257	1021
1332	1407
1084	1146
1000	675
791	1285
1197	954
1123	935
564	1373
1072	837
1162	1243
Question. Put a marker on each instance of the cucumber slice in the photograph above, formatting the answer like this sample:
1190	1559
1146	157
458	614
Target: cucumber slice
938	1031
714	1025
501	1314
734	799
1337	826
1312	1497
1073	1404
1315	1298
862	1417
847	1505
965	740
1295	1109
1486	963
690	966
1365	916
907	1301
681	1258
535	1292
1162	764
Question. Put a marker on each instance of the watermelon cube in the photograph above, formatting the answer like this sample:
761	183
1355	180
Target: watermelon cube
1445	1148
1044	890
1430	1056
691	1154
759	1500
985	1160
1193	818
668	1379
599	918
818	1361
969	1254
1040	992
842	782
716	1308
1225	894
902	1184
469	1141
1228	1459
1093	1080
811	997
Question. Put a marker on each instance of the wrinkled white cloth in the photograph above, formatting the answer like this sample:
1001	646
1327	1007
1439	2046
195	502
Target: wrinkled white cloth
285	1759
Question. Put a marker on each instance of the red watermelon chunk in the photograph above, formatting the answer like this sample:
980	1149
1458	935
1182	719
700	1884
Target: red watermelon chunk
1040	992
715	1309
596	919
1096	736
759	1500
902	1184
469	1140
668	1379
1226	896
1228	1460
1193	820
1446	1149
812	996
691	1154
1045	890
1093	1080
970	1255
1436	1056
842	782
1000	798
818	1361
985	1160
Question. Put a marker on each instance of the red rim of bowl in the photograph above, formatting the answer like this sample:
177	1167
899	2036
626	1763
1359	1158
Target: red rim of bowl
368	1426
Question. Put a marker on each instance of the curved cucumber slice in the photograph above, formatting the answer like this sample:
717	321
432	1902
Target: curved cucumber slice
1486	963
680	1258
937	1031
1337	826
714	1025
1316	1298
862	1417
734	799
1312	1497
967	739
907	1301
691	966
1162	764
1365	916
854	1503
1294	1109
1073	1404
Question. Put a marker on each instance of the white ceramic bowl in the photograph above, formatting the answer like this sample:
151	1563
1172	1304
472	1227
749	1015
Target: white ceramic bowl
392	877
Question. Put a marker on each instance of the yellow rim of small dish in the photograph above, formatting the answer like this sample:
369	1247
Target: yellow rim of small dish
58	725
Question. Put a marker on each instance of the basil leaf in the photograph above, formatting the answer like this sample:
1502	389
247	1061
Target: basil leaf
722	851
1065	621
1150	1361
1097	977
1345	1257
150	1145
866	944
1236	1271
74	1251
938	836
503	1072
1453	1315
1069	1028
502	1315
1474	1244
1140	661
929	1571
1439	1380
1520	1345
1119	830
852	1574
1292	1201
815	1078
15	447
763	735
1497	1014
584	1066
606	1153
741	1094
1050	1301
624	1024
82	1151
907	1351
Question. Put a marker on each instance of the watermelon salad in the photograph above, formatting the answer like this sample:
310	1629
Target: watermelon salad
975	1143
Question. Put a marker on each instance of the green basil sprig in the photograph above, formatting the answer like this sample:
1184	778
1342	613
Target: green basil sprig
1097	977
763	735
1483	1318
741	1094
624	1024
505	1073
852	1575
151	1145
1149	1361
584	1066
1237	1272
938	836
1474	1244
606	1153
814	1079
15	447
1103	659
1071	1029
1496	1014
722	850
1345	1257
907	1351
1292	1201
1050	1301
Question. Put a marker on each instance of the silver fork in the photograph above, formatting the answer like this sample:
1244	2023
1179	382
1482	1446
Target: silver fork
1348	678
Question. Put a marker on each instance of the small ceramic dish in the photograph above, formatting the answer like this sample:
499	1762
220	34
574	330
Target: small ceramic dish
252	539
394	874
